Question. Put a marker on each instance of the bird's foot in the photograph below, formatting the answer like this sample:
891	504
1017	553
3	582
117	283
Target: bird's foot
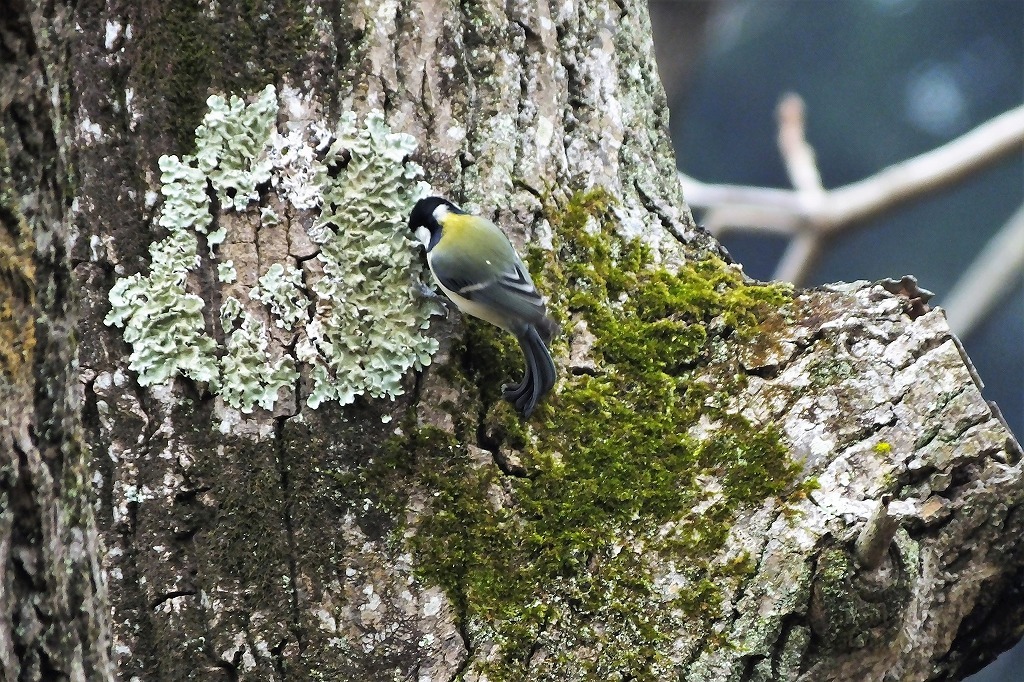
428	293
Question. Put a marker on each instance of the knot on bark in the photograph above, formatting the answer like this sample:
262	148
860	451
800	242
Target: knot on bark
854	605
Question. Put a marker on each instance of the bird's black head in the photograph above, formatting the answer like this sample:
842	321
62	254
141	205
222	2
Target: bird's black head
423	221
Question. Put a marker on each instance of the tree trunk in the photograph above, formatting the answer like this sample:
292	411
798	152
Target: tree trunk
54	617
303	471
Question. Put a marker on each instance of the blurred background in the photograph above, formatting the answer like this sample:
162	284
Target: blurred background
883	81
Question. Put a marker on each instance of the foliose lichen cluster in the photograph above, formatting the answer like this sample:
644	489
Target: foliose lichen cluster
357	323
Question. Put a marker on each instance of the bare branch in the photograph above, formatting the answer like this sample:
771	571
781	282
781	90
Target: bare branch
989	277
926	173
800	257
785	211
810	213
734	206
797	153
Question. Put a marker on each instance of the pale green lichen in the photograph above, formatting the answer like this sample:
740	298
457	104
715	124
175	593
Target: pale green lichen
365	330
268	217
226	272
186	204
164	322
281	289
231	146
230	310
364	300
244	383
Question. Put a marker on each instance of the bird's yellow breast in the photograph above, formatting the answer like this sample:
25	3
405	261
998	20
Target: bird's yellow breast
458	226
477	237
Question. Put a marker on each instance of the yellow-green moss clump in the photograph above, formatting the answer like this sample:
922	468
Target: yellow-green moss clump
17	282
607	543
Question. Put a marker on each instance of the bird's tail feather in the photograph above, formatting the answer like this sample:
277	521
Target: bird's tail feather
514	392
548	329
540	372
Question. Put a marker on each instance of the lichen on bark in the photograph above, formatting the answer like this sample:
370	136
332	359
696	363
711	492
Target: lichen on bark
355	325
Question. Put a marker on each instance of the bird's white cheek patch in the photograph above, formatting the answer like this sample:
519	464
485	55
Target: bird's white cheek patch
423	234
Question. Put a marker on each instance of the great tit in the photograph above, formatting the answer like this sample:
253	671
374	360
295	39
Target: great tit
476	266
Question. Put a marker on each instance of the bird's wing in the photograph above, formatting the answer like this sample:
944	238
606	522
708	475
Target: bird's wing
493	275
510	292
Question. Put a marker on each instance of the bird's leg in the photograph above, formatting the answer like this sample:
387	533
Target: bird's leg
430	294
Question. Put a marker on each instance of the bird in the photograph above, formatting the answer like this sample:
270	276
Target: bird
477	267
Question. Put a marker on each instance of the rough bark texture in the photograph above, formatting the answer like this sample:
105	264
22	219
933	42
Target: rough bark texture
877	404
430	536
54	619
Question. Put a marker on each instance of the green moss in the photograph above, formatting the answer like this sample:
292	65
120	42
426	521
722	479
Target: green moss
495	357
565	556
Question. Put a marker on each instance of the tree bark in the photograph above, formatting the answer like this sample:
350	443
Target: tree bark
294	481
54	618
